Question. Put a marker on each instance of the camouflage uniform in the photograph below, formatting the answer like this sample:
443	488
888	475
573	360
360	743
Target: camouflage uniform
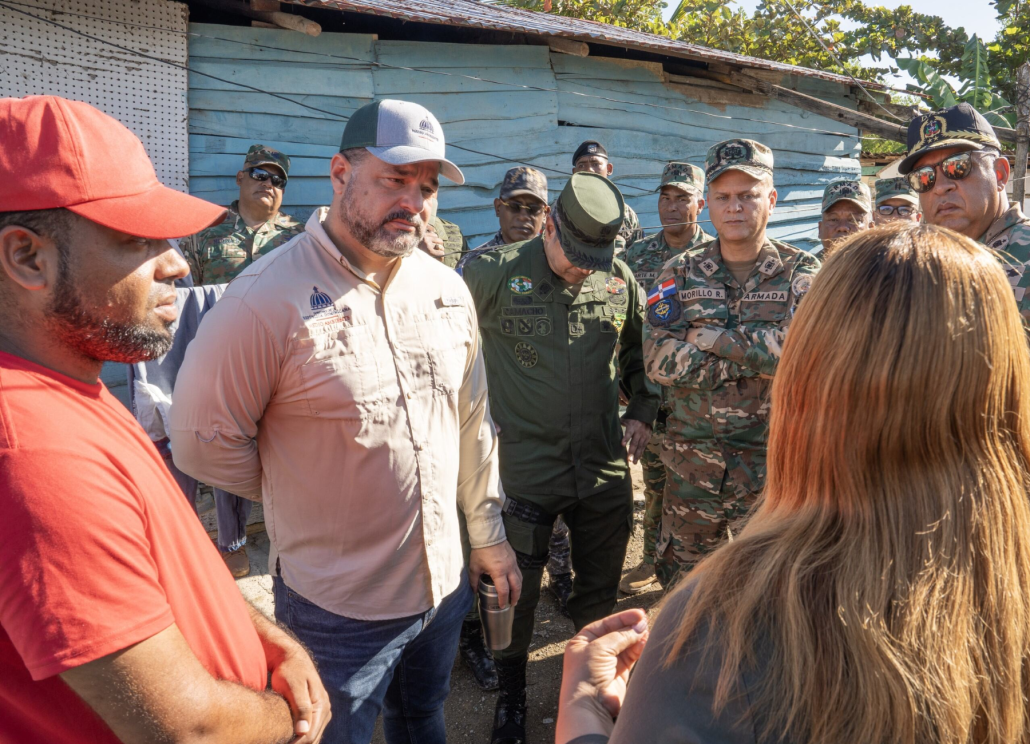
219	253
646	258
1010	236
455	245
629	233
718	387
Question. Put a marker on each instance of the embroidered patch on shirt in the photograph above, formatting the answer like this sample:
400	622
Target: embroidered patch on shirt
801	284
521	285
526	355
615	285
769	265
702	293
453	301
775	296
661	291
709	266
664	312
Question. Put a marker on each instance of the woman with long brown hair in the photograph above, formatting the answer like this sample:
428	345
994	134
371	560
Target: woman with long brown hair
881	590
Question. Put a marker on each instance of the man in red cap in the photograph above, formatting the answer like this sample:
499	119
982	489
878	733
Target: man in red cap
118	619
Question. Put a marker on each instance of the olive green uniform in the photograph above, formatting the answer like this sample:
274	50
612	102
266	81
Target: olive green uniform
455	245
554	392
646	258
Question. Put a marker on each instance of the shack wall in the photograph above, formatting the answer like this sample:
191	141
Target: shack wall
508	103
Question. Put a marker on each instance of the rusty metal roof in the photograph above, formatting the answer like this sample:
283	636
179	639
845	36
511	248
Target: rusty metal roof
475	14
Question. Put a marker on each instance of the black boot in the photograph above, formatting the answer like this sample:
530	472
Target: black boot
476	655
561	588
510	713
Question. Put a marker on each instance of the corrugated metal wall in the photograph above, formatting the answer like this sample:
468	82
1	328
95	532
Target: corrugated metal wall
539	126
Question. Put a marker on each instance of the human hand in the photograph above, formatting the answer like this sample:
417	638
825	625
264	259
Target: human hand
296	679
498	562
596	670
432	244
635	440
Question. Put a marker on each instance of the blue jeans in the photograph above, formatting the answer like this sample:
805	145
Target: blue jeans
232	513
401	667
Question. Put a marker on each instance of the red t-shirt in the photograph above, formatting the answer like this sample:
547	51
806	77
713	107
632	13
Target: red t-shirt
98	551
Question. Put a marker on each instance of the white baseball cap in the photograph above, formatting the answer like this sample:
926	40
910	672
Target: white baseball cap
399	133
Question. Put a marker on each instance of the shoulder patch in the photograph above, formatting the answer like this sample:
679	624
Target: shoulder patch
801	284
664	312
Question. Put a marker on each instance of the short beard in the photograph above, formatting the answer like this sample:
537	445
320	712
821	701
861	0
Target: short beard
374	236
96	337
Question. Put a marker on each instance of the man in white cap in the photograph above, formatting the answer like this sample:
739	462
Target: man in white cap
341	380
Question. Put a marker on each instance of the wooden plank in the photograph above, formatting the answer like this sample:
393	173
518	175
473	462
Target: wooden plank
287	128
392	82
219	164
298	192
282	77
605	68
235	145
498	105
238	43
438	55
247	101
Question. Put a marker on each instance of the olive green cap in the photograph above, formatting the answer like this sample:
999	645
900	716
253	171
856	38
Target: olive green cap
855	192
590	210
683	176
259	155
895	188
745	155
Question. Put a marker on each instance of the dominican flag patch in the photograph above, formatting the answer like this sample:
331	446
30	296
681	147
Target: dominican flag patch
661	291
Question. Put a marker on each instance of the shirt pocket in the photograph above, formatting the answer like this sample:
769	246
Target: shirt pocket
227	248
339	373
445	340
772	310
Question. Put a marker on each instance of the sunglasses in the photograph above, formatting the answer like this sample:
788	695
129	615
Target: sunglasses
954	168
533	210
886	210
260	174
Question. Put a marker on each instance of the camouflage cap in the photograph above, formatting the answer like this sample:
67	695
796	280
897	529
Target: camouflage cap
523	180
259	155
590	210
683	176
745	155
957	126
895	188
855	192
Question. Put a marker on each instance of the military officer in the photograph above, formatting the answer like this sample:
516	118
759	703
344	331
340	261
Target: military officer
847	209
954	163
591	157
552	312
716	321
895	200
253	225
521	208
680	200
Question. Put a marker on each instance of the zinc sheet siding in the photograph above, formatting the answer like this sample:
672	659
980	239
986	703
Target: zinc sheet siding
641	120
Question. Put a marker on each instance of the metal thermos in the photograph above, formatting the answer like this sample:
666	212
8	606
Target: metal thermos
496	622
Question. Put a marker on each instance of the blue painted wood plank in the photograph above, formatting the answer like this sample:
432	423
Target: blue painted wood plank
245	101
287	45
219	164
393	82
262	126
299	191
442	56
202	144
282	77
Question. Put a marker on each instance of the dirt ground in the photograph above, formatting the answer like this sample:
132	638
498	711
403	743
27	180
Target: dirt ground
469	710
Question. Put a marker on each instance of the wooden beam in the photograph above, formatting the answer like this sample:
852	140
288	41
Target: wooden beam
273	18
567	46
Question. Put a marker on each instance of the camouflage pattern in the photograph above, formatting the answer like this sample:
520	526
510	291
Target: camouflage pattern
455	245
704	519
495	242
217	254
683	176
645	259
855	192
895	188
717	388
259	155
559	552
745	155
1010	236
629	233
524	180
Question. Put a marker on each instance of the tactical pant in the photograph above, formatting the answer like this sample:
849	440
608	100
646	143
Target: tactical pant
654	486
559	561
696	521
599	525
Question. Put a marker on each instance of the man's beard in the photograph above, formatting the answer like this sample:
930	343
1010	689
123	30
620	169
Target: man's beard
374	235
84	328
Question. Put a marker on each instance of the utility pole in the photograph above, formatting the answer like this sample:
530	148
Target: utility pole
1022	132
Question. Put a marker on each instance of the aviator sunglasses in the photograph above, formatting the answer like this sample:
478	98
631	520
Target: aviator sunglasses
533	210
260	174
954	168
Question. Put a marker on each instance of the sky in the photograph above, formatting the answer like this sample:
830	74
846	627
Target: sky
976	16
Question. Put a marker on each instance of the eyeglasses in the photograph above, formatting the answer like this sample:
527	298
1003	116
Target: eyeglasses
533	210
954	168
260	174
886	210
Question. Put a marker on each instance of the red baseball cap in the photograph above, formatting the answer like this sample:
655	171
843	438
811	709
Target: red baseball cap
60	153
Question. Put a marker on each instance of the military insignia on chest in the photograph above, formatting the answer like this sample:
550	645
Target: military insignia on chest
769	265
521	285
619	320
526	355
709	266
664	312
1000	243
615	285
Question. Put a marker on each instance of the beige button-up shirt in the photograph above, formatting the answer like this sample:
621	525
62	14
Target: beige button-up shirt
357	413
